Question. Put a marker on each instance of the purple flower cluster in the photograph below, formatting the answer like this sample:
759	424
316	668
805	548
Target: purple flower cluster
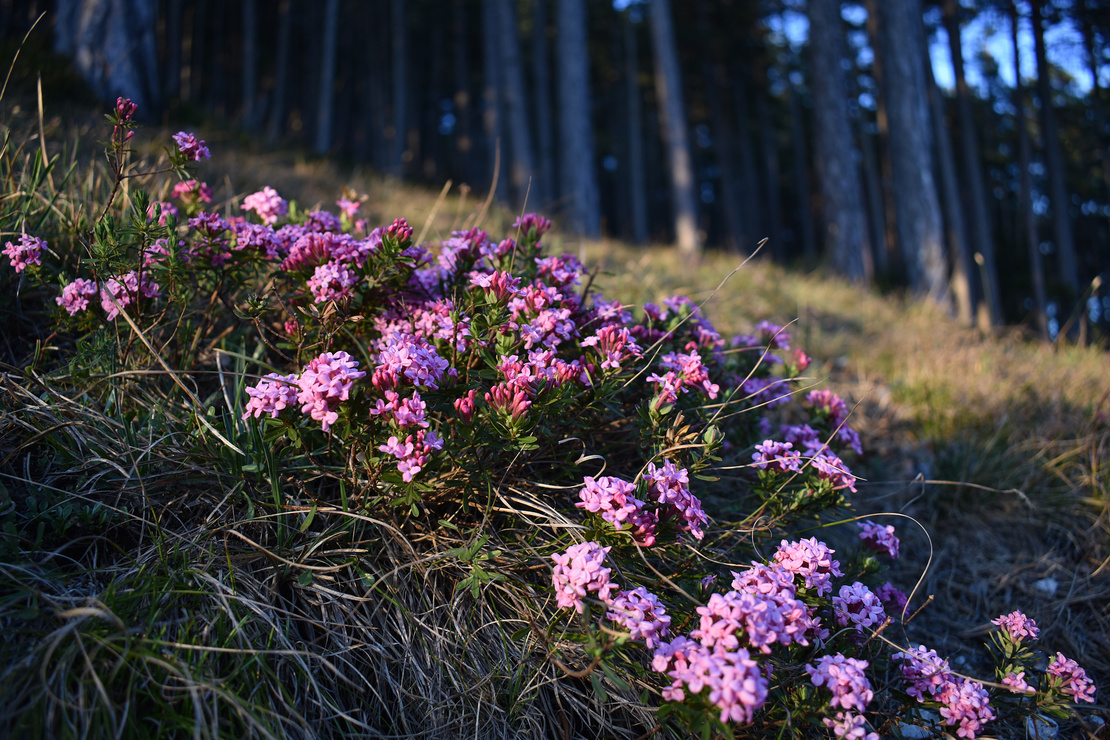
1017	683
615	345
682	371
761	621
532	222
878	537
1065	675
640	612
24	253
325	383
1017	627
267	205
845	678
671	487
119	293
193	148
967	704
75	296
413	452
579	571
849	726
611	497
857	605
812	560
271	395
924	672
332	281
405	359
893	598
192	192
735	683
778	457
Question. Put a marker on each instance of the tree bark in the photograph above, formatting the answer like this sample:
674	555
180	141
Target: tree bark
276	124
801	175
980	223
541	78
876	207
250	64
112	43
1025	187
772	176
399	46
672	110
736	237
1054	163
888	260
175	20
523	169
842	213
963	266
327	77
749	189
633	99
464	141
577	173
920	229
493	109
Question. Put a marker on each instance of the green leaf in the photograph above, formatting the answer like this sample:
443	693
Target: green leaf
305	578
308	519
449	525
612	676
598	688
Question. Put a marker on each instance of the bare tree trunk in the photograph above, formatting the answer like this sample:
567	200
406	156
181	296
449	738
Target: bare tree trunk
493	108
889	260
523	169
327	77
464	141
633	97
749	188
250	64
772	177
1025	186
175	19
276	124
962	265
1054	163
980	230
399	41
112	43
1102	144
876	208
578	176
842	213
722	138
541	77
672	109
920	229
801	175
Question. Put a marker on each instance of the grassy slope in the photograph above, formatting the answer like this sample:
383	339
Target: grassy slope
934	399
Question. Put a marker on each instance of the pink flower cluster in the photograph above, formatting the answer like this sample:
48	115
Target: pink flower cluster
193	149
405	359
75	296
671	487
640	612
1017	683
579	571
165	209
778	457
192	192
611	497
845	678
812	560
683	371
928	678
325	383
413	452
267	205
24	253
332	281
859	606
760	620
1065	675
924	671
119	293
893	598
271	395
1017	627
735	682
849	726
878	537
532	222
615	345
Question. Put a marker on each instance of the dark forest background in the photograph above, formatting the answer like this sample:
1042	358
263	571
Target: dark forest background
956	147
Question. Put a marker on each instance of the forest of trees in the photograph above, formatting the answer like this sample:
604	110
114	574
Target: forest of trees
958	147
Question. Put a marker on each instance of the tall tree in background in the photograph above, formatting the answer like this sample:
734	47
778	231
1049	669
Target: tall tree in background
577	174
492	106
464	142
920	228
281	82
1026	215
523	169
801	172
541	77
979	219
672	110
399	39
633	98
250	64
327	77
842	213
113	45
1054	161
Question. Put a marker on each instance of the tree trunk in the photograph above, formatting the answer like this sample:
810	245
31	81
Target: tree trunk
801	175
541	78
749	188
464	141
633	98
736	238
842	214
672	110
250	64
772	177
523	169
113	45
876	208
1025	187
963	266
980	223
327	77
276	124
577	174
175	19
493	109
888	260
1054	163
920	229
399	47
1102	144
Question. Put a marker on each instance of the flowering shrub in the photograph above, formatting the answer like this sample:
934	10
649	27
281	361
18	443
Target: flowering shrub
442	387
